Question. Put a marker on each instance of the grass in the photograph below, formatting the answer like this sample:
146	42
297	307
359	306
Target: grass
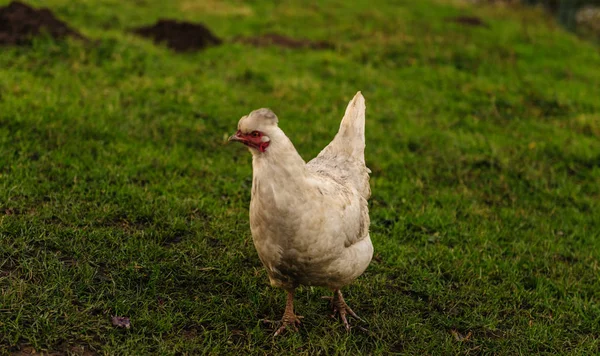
119	196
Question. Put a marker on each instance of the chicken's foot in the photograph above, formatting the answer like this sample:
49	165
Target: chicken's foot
290	319
340	307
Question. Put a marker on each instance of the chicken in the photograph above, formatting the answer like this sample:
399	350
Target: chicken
309	221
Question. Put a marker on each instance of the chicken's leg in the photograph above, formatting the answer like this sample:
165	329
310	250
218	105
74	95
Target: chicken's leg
289	318
340	307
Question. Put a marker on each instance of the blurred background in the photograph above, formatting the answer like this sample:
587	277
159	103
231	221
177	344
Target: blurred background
120	197
581	16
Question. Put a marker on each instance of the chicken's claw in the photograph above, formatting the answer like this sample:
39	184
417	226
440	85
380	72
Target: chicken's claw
287	321
289	317
340	307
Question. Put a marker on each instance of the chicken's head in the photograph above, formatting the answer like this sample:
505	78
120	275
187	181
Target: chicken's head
255	128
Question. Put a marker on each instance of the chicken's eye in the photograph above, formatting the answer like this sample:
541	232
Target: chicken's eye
255	133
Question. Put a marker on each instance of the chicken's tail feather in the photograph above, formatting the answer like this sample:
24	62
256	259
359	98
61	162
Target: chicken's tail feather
344	157
350	138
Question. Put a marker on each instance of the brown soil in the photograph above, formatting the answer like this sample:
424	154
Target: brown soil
283	41
468	21
180	36
20	22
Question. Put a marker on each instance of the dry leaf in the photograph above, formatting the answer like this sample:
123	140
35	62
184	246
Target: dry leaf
460	337
121	322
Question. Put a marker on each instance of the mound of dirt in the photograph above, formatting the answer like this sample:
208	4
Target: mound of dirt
20	22
272	39
468	21
180	36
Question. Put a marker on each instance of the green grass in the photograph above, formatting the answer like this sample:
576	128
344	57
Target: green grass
119	195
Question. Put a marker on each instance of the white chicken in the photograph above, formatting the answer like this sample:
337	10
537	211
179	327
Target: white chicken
309	221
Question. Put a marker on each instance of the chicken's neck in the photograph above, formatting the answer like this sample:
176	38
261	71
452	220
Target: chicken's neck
280	165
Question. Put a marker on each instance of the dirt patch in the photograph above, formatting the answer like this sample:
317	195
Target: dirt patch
179	36
19	23
272	39
568	259
29	350
173	239
468	21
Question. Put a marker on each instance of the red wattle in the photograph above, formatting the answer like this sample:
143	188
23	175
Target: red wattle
263	146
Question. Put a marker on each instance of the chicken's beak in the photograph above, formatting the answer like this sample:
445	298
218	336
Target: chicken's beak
237	138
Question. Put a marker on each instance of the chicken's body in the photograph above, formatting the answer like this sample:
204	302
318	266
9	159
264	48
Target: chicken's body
309	222
319	237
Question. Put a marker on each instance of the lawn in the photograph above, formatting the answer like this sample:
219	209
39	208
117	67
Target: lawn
119	194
